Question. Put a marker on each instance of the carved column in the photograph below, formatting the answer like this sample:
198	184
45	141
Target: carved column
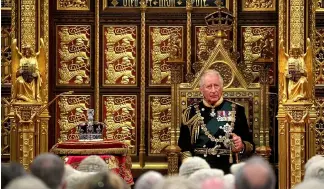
173	150
264	149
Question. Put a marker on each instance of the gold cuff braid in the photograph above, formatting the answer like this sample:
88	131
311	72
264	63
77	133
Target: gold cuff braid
248	147
184	155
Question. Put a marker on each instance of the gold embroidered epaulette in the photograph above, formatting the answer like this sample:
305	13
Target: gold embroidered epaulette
234	103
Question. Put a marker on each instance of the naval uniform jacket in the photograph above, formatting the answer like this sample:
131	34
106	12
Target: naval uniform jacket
192	135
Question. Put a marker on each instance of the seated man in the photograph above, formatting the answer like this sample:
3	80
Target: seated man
215	128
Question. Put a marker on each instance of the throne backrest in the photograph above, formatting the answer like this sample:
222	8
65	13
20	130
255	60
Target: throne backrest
235	89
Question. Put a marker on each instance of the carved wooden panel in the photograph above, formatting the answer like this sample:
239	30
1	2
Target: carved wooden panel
258	44
5	55
320	5
6	4
5	128
319	57
71	110
120	115
73	4
159	123
73	61
120	55
166	42
259	5
319	126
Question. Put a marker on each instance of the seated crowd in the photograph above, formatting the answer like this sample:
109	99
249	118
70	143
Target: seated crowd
48	171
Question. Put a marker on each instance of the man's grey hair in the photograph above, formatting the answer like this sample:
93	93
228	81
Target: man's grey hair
69	170
210	72
235	167
93	164
313	160
255	174
148	180
310	184
26	182
76	179
229	181
176	182
203	174
315	171
191	165
49	168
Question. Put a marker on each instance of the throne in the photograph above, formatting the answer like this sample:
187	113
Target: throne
237	88
88	138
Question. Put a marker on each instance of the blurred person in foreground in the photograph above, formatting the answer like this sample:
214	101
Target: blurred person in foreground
26	182
315	171
191	165
103	180
50	169
176	182
255	174
215	129
10	172
148	180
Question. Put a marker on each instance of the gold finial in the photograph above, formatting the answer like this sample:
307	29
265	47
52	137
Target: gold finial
219	3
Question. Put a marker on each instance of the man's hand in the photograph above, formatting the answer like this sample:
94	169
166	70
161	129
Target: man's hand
238	143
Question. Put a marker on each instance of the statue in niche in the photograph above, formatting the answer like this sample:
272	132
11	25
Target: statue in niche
27	67
295	70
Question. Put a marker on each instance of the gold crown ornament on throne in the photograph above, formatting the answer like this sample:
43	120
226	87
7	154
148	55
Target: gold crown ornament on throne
89	130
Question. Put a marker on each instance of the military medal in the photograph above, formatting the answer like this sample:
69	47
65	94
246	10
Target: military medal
212	113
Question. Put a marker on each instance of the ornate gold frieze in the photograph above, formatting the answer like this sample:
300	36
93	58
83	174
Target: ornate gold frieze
73	55
28	22
319	5
5	55
5	128
73	5
159	123
45	21
71	111
119	114
319	56
166	43
258	46
120	60
319	126
6	4
259	5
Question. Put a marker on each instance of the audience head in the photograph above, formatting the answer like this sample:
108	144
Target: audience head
10	172
211	86
235	167
69	170
203	174
255	174
76	179
93	164
213	183
229	181
313	160
315	171
310	184
50	169
104	180
176	182
26	182
148	180
192	164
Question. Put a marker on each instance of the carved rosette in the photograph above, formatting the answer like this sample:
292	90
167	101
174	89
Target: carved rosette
319	56
73	5
319	126
5	55
259	5
119	114
120	55
71	111
258	46
166	43
73	63
159	123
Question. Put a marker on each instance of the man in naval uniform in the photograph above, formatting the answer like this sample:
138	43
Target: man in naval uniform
215	129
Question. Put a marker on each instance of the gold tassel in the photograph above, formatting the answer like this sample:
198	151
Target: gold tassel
231	155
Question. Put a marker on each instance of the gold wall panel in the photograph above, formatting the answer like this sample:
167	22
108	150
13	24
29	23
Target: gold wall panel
259	5
319	126
5	128
319	5
258	44
159	123
73	62
73	4
71	110
319	56
5	55
166	42
120	55
120	115
6	4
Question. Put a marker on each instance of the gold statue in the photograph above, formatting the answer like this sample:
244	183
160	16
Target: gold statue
27	72
296	73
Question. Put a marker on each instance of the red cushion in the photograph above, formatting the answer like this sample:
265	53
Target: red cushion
75	144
